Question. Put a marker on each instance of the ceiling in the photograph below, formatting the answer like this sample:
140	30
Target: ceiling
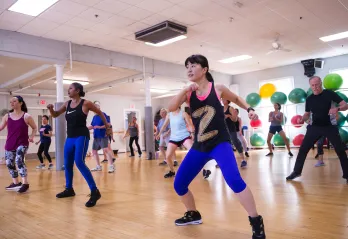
216	28
25	75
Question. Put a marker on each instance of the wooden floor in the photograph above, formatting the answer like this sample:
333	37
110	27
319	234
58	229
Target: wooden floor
137	202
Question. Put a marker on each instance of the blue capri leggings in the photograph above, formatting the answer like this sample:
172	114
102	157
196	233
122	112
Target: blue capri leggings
195	160
75	150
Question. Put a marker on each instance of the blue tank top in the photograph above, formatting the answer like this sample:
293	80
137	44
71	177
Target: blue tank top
178	127
275	122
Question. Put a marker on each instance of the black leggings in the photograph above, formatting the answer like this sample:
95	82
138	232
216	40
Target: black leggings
44	147
312	135
131	140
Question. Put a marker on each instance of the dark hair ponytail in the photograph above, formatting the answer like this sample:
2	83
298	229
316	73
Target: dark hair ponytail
23	106
209	77
79	87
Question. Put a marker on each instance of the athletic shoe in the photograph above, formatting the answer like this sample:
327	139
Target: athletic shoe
293	175
13	186
290	154
68	192
269	154
162	163
50	166
111	168
175	163
94	197
23	188
169	174
243	164
258	228
246	154
41	166
189	218
97	168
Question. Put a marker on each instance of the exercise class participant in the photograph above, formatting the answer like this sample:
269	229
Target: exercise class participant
238	125
45	143
17	142
133	132
211	141
276	118
76	144
319	104
180	122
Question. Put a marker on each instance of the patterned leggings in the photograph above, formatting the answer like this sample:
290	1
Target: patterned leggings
16	156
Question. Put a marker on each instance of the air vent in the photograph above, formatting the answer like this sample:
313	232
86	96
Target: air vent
161	32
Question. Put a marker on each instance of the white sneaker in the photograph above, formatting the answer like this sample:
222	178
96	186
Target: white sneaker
111	168
41	166
50	166
98	168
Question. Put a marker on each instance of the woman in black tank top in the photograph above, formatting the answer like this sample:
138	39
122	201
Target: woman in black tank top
211	140
76	144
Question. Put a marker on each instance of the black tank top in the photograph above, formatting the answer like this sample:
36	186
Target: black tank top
230	124
76	121
209	121
237	125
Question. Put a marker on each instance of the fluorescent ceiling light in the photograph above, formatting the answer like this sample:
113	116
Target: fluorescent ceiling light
32	7
68	82
166	42
236	58
334	37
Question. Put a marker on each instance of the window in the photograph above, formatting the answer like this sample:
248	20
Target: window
285	85
344	74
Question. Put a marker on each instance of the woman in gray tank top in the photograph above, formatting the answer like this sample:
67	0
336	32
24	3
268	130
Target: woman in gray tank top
276	118
133	132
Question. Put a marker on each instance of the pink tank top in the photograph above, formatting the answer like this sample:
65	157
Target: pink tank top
17	133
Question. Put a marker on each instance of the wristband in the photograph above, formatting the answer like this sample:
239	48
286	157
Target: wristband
250	108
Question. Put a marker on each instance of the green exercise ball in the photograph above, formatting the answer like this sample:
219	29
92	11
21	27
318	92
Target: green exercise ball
279	97
344	135
257	139
297	95
341	119
278	140
309	92
343	96
253	99
333	81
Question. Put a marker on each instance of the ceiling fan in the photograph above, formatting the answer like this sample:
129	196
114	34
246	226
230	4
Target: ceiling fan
276	46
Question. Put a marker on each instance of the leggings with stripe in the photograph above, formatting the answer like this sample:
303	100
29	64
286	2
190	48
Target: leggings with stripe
195	160
75	150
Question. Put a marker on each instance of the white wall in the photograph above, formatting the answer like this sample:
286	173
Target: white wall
249	82
112	105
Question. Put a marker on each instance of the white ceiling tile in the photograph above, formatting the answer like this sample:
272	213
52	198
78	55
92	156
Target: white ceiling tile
11	26
2	10
155	5
154	19
172	12
112	6
69	7
5	4
91	14
89	3
137	27
15	18
189	18
38	27
118	21
101	28
80	23
176	1
55	16
132	2
344	3
136	13
119	32
62	32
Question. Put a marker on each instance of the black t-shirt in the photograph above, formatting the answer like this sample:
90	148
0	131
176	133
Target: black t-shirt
320	106
45	129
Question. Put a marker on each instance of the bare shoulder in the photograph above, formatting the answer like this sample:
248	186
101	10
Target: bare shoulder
87	102
27	116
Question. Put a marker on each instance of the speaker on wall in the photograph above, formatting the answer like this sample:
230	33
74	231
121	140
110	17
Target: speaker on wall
309	69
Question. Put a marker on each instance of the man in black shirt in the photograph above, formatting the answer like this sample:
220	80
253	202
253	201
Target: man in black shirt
319	104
